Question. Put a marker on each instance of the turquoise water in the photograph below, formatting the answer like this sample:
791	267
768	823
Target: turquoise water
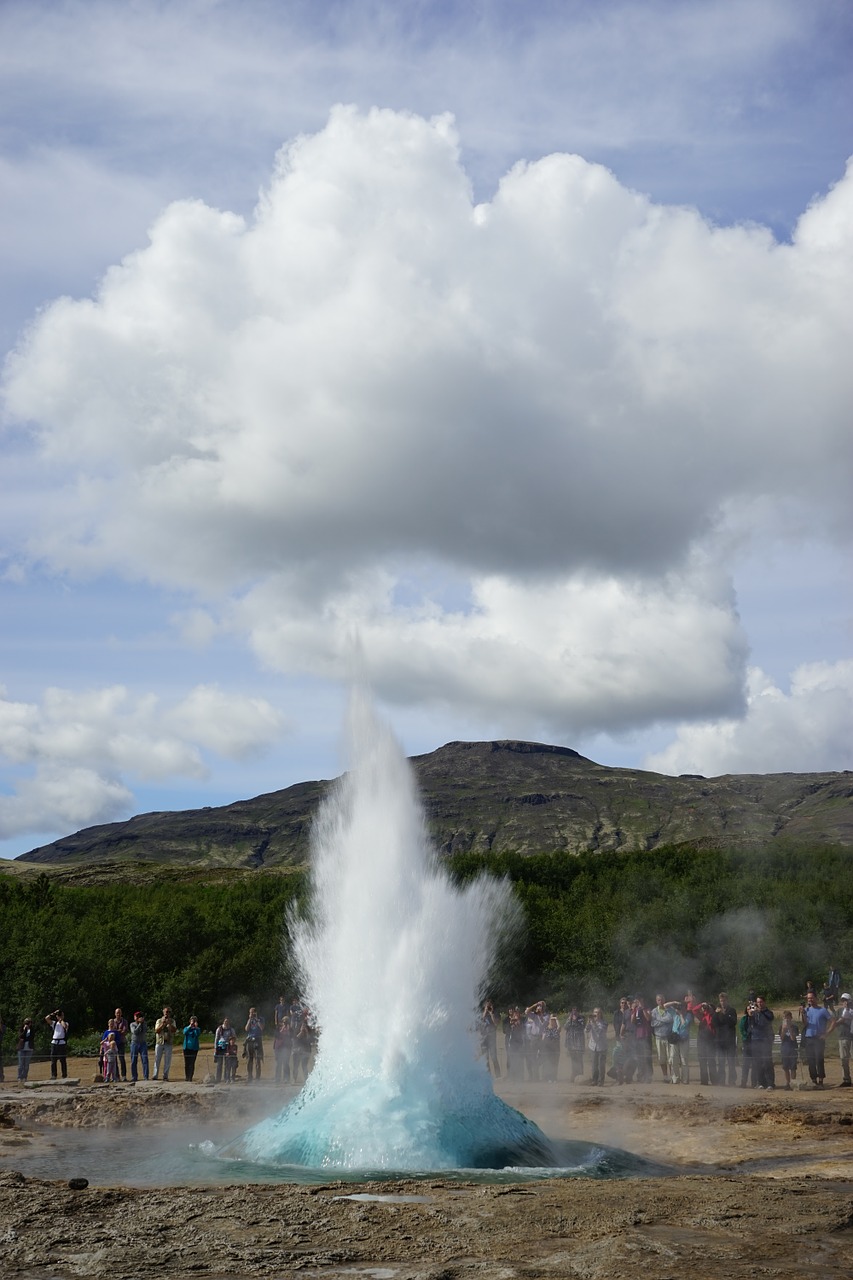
191	1157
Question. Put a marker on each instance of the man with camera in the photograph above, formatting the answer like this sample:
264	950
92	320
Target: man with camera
164	1034
59	1043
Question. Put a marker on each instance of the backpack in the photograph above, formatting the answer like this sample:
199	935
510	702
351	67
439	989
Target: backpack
680	1027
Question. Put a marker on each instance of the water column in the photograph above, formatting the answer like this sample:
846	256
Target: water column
393	958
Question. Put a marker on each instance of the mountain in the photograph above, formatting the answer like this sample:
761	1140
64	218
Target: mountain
525	797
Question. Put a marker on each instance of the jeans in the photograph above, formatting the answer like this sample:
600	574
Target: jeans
162	1055
762	1063
138	1053
255	1060
25	1057
706	1053
726	1064
814	1049
282	1064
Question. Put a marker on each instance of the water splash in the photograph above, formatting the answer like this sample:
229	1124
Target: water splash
393	960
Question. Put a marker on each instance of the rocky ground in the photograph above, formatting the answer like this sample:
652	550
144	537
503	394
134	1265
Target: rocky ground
762	1187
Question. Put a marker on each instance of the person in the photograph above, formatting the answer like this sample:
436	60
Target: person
818	1021
661	1021
281	1047
640	1024
535	1022
283	1042
231	1060
121	1040
621	1019
810	986
109	1070
761	1022
514	1044
281	1011
253	1047
747	1068
550	1049
573	1031
679	1043
789	1033
138	1047
2	1036
725	1026
489	1038
832	987
596	1039
25	1045
303	1040
191	1033
111	1027
222	1038
844	1023
58	1043
164	1034
706	1042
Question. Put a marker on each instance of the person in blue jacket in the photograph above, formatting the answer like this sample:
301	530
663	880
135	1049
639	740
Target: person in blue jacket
192	1031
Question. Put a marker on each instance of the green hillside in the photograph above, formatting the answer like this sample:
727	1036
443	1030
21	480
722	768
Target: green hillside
493	797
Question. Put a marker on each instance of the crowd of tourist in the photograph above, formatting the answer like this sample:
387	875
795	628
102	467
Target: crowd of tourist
292	1035
725	1046
729	1047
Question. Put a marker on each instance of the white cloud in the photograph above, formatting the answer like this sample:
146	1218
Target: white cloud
235	727
804	730
559	396
62	799
82	746
568	376
574	656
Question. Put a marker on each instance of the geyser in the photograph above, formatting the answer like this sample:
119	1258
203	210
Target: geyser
393	958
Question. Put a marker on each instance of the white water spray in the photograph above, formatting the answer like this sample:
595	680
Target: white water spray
393	960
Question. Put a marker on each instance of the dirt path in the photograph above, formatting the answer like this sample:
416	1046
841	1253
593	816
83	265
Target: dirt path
765	1188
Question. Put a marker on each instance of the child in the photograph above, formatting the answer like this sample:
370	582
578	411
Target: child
110	1059
231	1060
788	1033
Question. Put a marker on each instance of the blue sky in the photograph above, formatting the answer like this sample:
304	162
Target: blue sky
499	352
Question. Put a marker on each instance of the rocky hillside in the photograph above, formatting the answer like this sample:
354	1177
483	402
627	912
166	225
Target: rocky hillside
519	796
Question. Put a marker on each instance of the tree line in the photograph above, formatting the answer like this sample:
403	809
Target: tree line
596	926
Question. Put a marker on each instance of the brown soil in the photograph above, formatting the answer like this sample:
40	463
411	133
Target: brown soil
763	1187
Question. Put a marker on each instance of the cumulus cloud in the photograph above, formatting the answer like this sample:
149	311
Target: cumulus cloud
62	799
82	746
804	730
575	656
559	396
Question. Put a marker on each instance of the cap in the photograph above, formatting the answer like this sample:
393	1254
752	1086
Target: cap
847	996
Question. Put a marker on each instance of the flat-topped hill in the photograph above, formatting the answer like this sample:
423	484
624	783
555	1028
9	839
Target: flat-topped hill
523	797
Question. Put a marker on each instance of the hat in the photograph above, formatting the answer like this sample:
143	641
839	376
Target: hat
847	996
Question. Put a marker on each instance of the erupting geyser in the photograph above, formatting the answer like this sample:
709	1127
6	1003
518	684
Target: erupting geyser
392	961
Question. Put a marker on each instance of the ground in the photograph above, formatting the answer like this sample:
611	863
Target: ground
762	1187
